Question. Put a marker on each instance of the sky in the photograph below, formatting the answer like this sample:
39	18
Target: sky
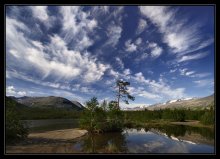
77	52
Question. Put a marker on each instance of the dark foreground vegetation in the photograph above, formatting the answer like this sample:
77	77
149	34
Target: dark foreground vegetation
14	128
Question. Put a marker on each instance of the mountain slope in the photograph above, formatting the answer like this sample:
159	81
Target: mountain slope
198	103
48	102
39	112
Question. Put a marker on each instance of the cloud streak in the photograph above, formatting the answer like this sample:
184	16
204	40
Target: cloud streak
54	60
180	36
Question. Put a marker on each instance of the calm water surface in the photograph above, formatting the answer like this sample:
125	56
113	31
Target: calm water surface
166	139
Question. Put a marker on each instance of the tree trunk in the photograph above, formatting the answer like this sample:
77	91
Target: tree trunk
118	95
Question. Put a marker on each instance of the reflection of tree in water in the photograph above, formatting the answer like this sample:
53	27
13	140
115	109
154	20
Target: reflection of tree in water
104	143
208	133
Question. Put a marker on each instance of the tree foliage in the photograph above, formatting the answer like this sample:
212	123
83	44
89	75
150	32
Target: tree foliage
122	92
15	129
101	118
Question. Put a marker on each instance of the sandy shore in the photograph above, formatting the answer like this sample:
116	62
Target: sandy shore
66	134
194	123
57	141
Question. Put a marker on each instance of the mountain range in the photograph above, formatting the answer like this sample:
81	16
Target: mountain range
48	102
184	103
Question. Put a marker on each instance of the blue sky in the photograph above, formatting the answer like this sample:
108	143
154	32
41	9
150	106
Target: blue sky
77	52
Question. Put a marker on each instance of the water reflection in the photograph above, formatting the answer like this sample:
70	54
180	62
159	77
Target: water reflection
158	139
182	130
103	143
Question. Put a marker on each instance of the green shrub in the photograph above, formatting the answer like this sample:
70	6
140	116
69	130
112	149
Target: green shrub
15	129
207	118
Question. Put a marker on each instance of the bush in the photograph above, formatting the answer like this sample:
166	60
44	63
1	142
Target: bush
97	119
15	128
207	118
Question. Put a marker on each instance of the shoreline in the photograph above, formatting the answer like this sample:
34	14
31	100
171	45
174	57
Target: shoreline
59	141
63	134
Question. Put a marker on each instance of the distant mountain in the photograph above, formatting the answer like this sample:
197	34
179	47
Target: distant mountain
48	102
11	101
192	103
78	104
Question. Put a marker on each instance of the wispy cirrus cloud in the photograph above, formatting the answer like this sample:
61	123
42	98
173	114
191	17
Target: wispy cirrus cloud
180	36
193	74
40	12
53	60
79	50
192	57
204	83
77	26
160	88
141	92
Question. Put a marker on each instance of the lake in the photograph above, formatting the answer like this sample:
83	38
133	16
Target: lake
159	139
51	124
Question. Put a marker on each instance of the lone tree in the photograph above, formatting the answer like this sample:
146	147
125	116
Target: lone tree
122	92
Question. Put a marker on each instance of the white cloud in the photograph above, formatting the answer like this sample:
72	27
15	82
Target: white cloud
127	72
201	75
21	93
120	63
143	56
173	70
205	82
180	36
156	50
130	47
40	12
185	72
190	73
148	95
201	45
11	91
192	57
138	41
114	73
165	90
150	72
110	82
85	90
54	60
159	88
114	33
142	25
77	25
139	91
140	78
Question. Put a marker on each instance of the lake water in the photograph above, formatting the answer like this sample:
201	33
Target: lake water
51	124
166	139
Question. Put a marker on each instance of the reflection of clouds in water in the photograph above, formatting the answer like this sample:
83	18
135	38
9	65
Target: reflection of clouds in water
154	145
154	142
178	148
158	147
135	131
